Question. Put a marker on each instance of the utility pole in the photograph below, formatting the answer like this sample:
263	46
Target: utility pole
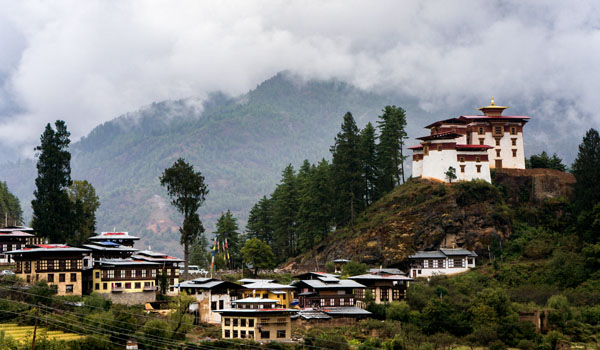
37	311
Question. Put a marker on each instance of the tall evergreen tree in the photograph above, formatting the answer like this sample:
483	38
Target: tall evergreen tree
285	207
390	156
347	172
187	190
260	221
368	158
52	209
228	233
10	207
586	169
85	203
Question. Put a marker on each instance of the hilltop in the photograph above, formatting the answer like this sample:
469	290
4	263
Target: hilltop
424	214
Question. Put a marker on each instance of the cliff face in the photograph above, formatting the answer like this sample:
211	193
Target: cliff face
422	214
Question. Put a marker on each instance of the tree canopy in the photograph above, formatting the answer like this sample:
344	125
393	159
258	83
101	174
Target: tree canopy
542	160
258	254
10	207
85	203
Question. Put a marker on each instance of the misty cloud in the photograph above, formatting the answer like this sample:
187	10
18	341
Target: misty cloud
88	62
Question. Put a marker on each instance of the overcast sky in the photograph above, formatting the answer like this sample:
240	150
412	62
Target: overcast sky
89	61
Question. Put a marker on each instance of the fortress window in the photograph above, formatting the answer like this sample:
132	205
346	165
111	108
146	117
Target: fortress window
498	130
514	142
481	142
462	159
462	168
497	153
478	168
478	159
513	130
480	131
425	150
439	148
497	142
514	151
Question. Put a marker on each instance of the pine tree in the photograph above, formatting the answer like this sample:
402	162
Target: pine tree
390	156
347	172
52	209
285	207
260	221
368	158
228	233
586	169
187	190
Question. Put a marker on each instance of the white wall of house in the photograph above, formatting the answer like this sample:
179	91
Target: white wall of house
436	163
506	147
447	269
205	300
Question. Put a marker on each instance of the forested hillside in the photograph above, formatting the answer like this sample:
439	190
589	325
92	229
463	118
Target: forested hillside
10	208
239	144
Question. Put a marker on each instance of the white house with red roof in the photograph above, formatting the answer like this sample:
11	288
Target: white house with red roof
472	145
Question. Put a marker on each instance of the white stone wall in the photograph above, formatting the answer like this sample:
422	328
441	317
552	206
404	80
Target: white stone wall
417	165
204	304
437	163
506	147
471	170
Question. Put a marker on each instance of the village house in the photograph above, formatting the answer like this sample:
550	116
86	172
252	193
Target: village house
269	290
319	290
472	145
58	265
339	265
212	295
255	318
168	265
15	238
125	281
385	285
444	261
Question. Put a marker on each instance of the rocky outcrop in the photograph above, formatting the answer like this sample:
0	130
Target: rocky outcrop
534	185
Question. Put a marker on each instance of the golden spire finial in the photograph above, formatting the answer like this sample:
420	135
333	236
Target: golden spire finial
492	104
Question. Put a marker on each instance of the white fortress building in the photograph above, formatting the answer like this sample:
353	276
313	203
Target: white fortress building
472	145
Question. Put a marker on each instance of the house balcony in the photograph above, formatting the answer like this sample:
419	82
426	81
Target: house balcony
117	289
326	300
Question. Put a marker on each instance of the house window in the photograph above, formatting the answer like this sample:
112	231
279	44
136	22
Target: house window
28	266
462	168
251	334
513	130
462	159
227	321
265	335
69	289
481	142
281	333
497	142
351	301
221	305
143	273
111	273
514	142
133	273
384	294
122	273
235	334
68	264
97	274
430	263
514	152
497	153
43	265
153	273
243	334
73	277
97	286
322	302
235	322
359	293
439	148
478	168
227	333
105	286
342	302
61	277
138	285
51	277
395	294
458	262
480	131
440	264
213	305
251	322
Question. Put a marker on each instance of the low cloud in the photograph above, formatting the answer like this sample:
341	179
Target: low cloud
88	62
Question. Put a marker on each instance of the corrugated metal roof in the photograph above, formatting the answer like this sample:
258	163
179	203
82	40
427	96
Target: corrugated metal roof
369	276
390	270
457	251
435	254
345	310
267	285
255	300
254	280
318	284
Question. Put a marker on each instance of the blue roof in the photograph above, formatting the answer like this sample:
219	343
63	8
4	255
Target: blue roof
108	243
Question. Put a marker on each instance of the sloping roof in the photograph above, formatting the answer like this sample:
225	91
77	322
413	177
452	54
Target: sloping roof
116	248
154	256
390	270
416	147
446	121
341	261
345	311
15	233
267	285
517	117
254	280
113	235
208	283
48	248
318	284
440	136
372	276
434	254
316	274
473	147
312	315
123	262
457	251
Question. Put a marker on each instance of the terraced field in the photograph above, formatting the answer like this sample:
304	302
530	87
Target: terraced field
22	333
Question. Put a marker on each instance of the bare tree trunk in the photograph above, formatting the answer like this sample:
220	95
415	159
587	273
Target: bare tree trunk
186	253
402	160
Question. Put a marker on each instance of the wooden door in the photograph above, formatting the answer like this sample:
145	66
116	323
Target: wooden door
498	163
